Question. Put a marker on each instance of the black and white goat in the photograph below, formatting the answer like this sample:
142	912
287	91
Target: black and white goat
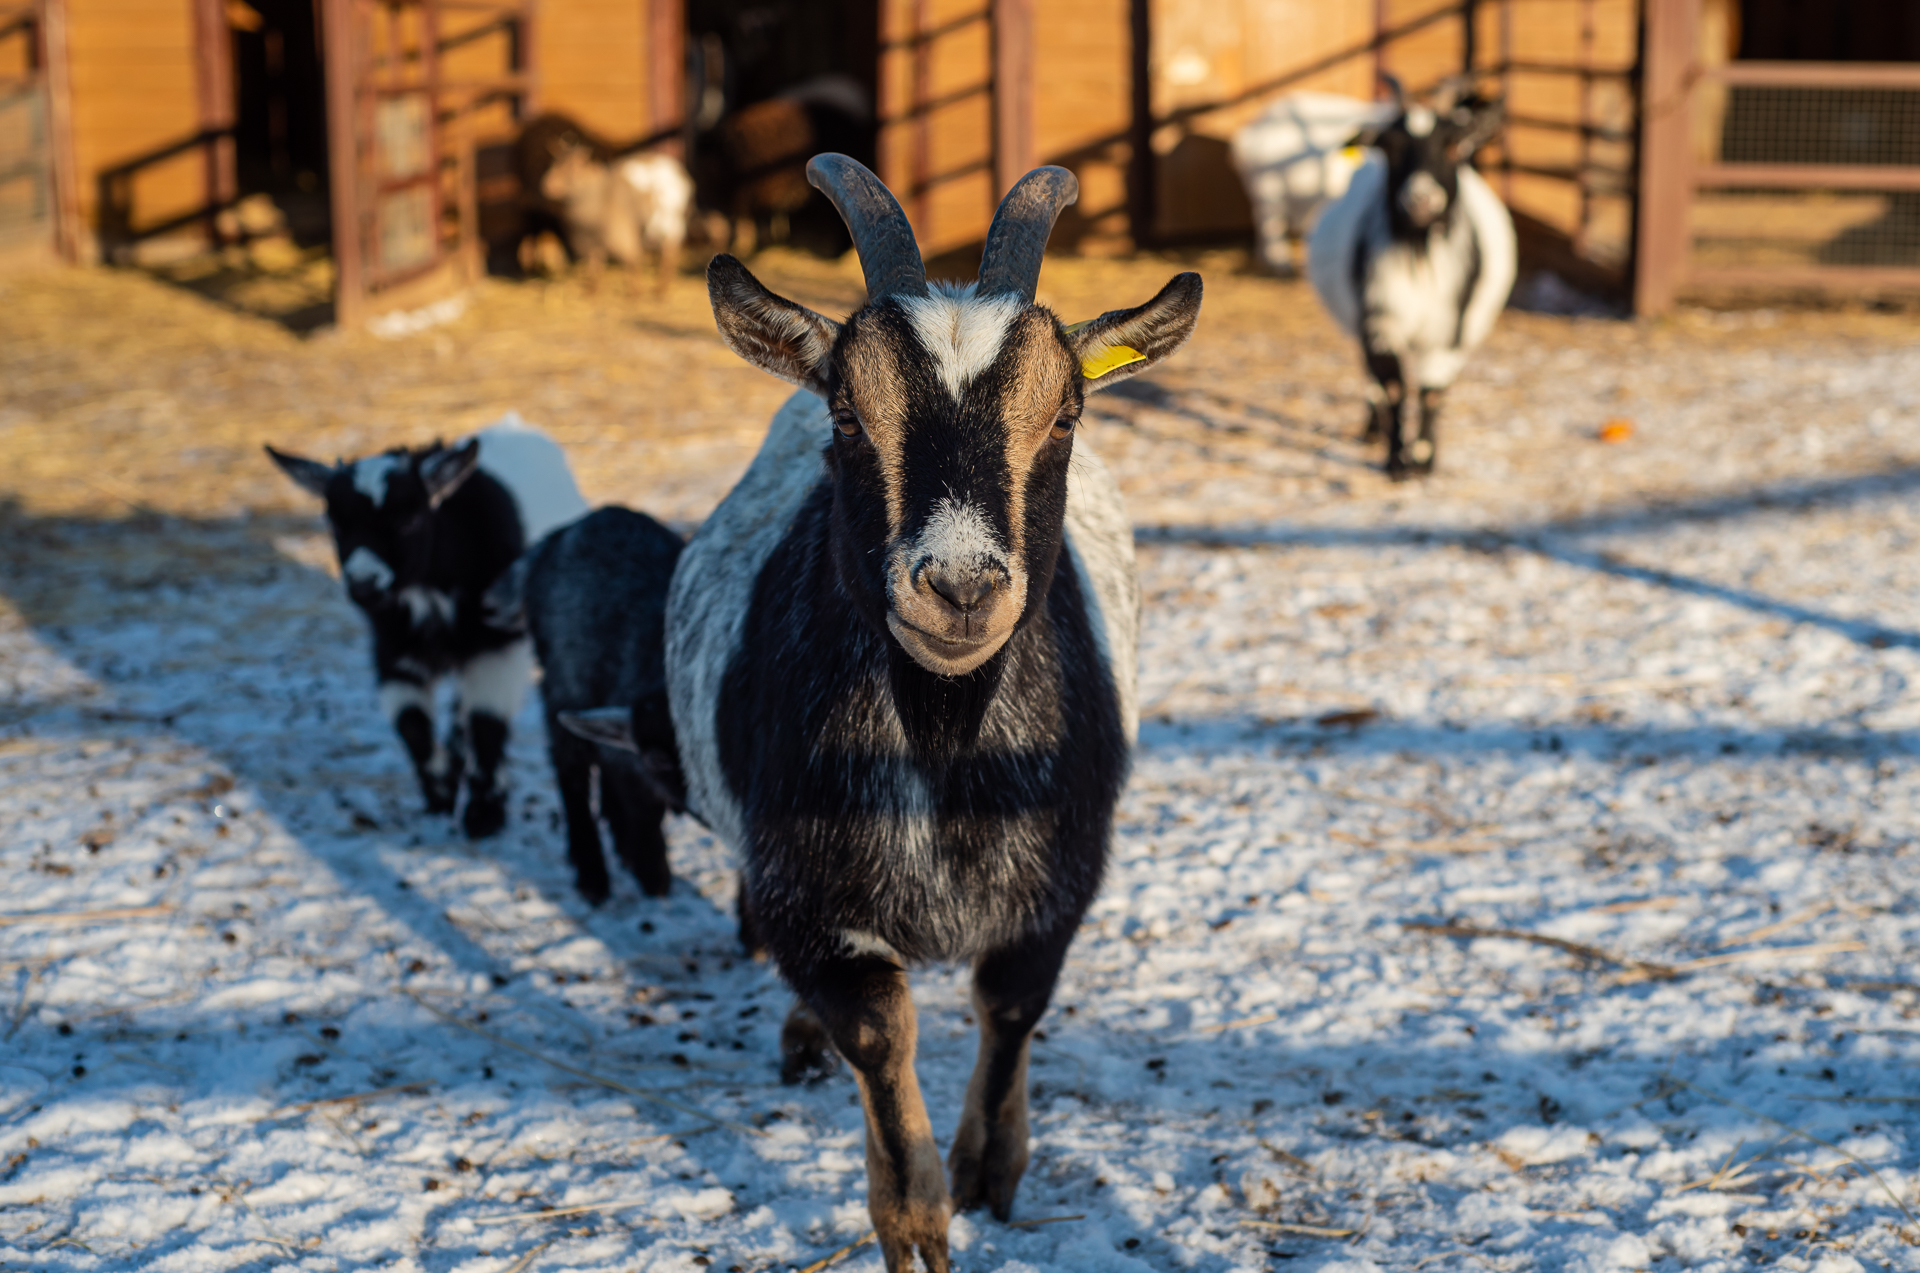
593	595
1416	261
900	656
421	536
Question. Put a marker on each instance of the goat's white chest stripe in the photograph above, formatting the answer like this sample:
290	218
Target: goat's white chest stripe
370	475
960	331
364	566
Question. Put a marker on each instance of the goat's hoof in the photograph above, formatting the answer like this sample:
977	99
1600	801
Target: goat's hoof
594	892
485	816
987	1174
439	795
805	1067
806	1049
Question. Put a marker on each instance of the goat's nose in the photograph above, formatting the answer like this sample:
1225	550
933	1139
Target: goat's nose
963	589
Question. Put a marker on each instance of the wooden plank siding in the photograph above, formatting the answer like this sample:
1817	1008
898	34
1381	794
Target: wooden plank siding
133	92
1216	64
1567	160
1082	110
935	145
595	64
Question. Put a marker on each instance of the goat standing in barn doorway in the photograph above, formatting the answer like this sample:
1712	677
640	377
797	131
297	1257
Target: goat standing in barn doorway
900	662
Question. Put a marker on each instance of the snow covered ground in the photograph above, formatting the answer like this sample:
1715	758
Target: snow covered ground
257	1011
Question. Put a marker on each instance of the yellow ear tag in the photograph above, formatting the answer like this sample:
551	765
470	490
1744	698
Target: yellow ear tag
1353	154
1110	358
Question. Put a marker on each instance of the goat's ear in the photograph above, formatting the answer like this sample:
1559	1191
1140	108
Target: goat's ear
443	472
769	331
1125	342
1478	121
310	475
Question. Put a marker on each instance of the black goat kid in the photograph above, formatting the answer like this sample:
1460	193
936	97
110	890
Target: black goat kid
901	664
594	597
421	535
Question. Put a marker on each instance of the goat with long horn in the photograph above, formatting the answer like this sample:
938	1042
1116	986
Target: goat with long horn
901	667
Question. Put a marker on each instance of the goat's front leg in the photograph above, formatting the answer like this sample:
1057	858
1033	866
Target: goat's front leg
865	1005
409	706
491	687
1425	449
1011	988
1385	368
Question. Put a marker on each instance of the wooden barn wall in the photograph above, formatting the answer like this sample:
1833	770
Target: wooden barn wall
1082	109
134	93
1568	159
479	50
1216	63
936	117
594	64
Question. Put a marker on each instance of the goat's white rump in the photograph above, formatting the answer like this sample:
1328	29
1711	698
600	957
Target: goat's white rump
534	470
1297	157
663	198
1412	299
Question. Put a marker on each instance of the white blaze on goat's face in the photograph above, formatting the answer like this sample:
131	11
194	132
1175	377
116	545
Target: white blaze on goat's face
961	332
364	569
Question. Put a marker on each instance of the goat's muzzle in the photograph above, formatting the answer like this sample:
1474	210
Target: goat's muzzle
953	616
1423	199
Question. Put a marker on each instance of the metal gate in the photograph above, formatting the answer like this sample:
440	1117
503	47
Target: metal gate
402	138
32	212
956	111
1773	175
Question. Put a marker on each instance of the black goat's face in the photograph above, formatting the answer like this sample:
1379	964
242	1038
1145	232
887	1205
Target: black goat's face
953	424
1424	150
380	509
954	417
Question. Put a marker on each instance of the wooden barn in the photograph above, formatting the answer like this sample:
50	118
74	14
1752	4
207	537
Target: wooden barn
1652	145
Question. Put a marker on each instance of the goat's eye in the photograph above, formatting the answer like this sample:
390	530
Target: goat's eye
1063	423
847	420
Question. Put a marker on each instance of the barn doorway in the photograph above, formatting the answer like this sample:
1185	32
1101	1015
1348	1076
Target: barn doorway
770	83
280	116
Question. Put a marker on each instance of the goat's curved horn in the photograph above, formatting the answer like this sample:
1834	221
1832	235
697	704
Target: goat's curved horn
1395	87
882	236
1017	239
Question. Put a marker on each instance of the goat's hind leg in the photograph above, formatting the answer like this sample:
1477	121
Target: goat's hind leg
573	762
1425	448
634	817
491	687
864	1003
1011	988
409	706
1392	404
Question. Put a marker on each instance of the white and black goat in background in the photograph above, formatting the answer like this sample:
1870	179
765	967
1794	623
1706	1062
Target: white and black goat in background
421	535
593	595
1416	260
900	657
